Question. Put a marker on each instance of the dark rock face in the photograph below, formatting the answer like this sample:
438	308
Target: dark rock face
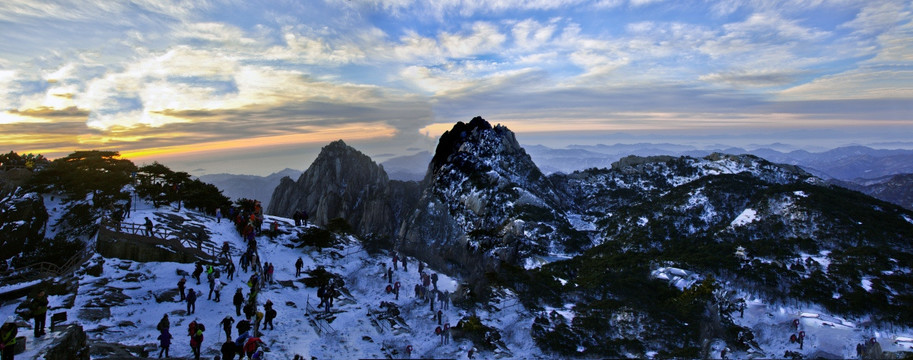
485	202
344	183
22	222
72	344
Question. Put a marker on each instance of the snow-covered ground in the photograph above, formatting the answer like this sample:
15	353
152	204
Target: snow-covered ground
352	333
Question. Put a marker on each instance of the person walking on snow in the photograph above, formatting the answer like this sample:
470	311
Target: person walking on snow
226	325
8	333
298	265
197	271
196	339
164	342
149	227
164	324
238	301
218	215
181	284
39	307
270	315
218	290
191	301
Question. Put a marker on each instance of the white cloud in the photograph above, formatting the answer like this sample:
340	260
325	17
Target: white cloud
863	83
896	45
531	35
103	11
879	16
484	38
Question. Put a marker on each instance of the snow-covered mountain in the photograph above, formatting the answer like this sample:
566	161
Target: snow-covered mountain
653	257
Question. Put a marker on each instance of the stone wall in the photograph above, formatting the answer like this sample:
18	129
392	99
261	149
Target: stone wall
113	244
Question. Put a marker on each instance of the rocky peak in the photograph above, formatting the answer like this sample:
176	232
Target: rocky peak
485	202
342	182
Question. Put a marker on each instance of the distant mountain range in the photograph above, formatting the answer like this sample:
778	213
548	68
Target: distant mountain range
249	186
844	163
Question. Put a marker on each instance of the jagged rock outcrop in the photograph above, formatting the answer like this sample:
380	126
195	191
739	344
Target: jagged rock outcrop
22	222
485	201
344	183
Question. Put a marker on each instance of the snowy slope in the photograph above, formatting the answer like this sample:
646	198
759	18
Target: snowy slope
135	314
129	290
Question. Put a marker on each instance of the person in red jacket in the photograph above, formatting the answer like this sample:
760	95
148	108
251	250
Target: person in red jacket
251	345
196	338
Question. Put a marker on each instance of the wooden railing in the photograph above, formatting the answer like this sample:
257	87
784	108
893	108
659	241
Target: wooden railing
164	236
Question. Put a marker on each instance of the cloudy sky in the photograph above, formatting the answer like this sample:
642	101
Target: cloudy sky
256	86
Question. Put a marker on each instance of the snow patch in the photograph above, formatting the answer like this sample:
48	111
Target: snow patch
800	193
907	218
747	216
867	284
680	278
642	221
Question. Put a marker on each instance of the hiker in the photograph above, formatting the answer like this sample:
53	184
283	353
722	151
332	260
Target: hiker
389	275
229	350
230	269
270	315
164	324
238	301
440	315
249	310
321	294
251	345
801	339
396	289
395	261
212	284
197	271
796	324
191	301
226	250
439	332
443	297
434	280
446	334
164	342
39	307
219	215
218	290
196	338
226	323
181	284
304	217
421	267
298	265
243	327
8	333
269	273
409	352
405	266
148	227
297	217
273	230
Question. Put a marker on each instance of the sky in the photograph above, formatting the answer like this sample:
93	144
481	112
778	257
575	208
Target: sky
252	87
